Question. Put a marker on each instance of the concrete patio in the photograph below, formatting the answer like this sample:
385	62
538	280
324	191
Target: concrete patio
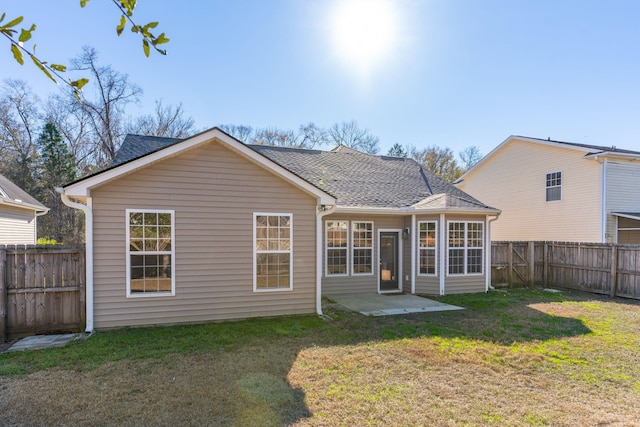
371	304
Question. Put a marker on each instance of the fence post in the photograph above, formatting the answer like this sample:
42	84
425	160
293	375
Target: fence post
545	264
614	269
510	260
532	264
4	316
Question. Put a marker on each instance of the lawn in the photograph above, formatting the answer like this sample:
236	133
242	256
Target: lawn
519	358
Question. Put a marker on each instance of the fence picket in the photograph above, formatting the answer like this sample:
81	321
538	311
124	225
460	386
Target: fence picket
602	268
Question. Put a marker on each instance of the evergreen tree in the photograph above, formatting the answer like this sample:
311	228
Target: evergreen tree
57	167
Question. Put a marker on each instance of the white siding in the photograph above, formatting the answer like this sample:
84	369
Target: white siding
513	180
214	193
623	192
17	226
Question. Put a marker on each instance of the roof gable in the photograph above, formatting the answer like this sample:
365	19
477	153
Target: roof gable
15	196
586	150
168	147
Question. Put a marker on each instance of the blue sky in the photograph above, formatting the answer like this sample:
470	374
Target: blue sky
459	73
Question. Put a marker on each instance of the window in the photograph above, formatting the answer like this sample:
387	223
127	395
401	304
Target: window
554	186
336	248
427	247
465	247
362	247
150	252
273	252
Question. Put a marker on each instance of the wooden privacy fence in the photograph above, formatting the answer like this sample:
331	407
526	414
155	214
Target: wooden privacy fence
42	290
603	268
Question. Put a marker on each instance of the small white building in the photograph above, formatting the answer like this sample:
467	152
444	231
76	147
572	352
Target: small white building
19	214
559	191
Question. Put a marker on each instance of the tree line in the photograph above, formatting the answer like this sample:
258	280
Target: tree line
48	143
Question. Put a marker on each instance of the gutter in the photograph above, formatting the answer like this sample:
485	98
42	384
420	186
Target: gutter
88	218
322	211
412	210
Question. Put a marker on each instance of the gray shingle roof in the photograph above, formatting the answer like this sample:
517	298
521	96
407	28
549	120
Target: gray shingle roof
17	195
356	179
135	146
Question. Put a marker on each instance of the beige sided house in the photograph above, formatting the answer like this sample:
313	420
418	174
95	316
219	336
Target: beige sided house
208	228
559	191
19	214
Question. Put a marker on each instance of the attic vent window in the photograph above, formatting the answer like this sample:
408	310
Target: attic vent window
554	186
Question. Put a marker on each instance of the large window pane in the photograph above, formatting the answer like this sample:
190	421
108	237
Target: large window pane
150	252
427	247
273	252
466	247
362	247
336	247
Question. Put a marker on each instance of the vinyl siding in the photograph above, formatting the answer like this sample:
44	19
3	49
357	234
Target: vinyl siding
214	193
513	180
360	283
17	226
623	192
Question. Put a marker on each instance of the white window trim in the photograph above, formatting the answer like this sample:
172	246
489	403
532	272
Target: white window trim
555	186
352	247
466	248
326	249
256	252
435	249
173	255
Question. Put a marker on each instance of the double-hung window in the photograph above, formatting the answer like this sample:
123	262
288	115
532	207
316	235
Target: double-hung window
554	186
465	247
273	252
150	252
362	247
336	248
427	247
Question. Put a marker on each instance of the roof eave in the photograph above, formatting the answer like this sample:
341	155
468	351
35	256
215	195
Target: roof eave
410	210
24	205
613	155
82	188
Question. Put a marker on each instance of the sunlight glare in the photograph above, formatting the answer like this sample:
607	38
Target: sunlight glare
364	32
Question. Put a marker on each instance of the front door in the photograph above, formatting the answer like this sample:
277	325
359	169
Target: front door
389	280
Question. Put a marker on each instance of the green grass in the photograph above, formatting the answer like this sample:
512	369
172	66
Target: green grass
518	357
154	343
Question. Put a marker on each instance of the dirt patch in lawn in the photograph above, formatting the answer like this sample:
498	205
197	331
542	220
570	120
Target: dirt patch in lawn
522	358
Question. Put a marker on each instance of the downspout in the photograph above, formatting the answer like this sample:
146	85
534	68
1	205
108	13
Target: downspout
603	195
488	286
88	220
413	237
443	252
321	212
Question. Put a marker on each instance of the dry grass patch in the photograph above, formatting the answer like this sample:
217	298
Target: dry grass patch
518	358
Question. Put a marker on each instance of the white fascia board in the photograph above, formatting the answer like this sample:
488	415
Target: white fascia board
623	215
412	211
24	205
519	138
372	210
613	155
82	188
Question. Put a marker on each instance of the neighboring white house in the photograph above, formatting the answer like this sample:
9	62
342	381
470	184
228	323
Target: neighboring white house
18	214
560	191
